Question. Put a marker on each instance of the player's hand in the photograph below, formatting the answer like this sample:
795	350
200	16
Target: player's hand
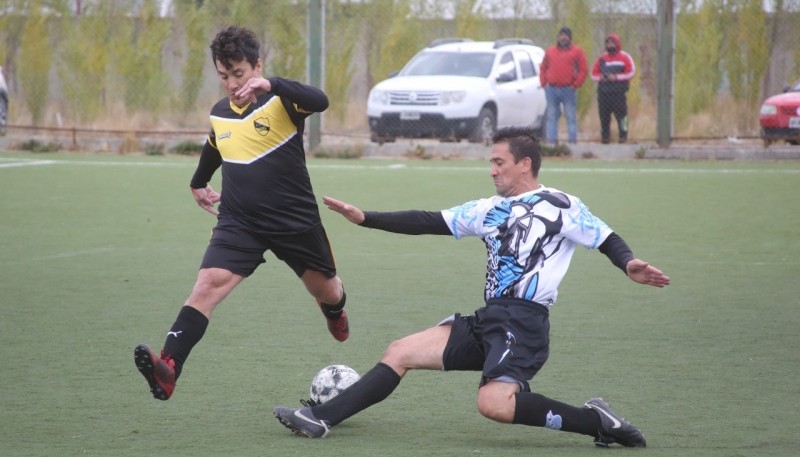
207	198
350	212
252	88
644	273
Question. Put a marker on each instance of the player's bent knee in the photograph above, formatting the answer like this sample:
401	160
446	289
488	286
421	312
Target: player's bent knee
394	352
398	355
496	401
213	278
496	411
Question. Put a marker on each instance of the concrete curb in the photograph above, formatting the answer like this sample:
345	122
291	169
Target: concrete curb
587	151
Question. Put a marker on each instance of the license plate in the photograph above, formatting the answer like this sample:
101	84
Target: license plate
794	122
409	115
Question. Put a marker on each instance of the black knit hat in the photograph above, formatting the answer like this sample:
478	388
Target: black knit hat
566	31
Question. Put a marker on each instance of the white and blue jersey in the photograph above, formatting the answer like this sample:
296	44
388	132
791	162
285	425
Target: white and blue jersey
530	239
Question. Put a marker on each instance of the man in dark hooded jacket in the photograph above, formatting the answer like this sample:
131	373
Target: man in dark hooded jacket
613	71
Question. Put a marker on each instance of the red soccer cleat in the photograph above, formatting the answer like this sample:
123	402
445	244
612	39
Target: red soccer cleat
158	371
339	327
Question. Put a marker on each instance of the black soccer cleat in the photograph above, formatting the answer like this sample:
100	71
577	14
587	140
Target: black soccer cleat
614	428
301	421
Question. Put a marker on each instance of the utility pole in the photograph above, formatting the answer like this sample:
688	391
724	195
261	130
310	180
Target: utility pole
315	63
664	74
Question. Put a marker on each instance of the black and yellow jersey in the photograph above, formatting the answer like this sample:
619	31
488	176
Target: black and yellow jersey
265	182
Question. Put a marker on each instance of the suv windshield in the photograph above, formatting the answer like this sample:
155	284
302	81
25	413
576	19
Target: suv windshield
450	64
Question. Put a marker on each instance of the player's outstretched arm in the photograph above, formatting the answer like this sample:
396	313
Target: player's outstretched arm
644	273
350	212
409	222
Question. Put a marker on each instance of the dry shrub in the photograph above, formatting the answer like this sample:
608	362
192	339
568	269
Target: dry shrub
725	118
129	144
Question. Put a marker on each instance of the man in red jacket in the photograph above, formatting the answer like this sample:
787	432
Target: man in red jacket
563	71
613	71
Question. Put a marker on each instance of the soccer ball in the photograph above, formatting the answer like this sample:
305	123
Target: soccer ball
331	381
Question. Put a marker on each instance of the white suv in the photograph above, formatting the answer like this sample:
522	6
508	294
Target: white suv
458	88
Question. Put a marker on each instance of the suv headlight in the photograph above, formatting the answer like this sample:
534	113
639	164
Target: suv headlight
453	96
769	110
380	97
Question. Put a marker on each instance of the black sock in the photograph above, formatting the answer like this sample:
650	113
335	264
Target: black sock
187	331
539	411
372	388
333	312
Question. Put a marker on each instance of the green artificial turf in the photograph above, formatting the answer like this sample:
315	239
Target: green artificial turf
99	253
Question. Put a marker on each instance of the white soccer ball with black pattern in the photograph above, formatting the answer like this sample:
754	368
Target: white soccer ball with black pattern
331	381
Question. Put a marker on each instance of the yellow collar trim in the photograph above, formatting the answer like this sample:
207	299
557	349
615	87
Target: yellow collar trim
238	110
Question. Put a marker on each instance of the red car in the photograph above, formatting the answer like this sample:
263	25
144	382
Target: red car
780	116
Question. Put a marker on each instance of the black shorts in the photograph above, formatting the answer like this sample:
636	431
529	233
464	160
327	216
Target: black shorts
509	340
237	248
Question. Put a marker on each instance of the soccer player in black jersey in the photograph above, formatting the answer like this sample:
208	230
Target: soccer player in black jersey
266	204
530	232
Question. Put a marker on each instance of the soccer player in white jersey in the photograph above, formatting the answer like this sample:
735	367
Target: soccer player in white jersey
530	232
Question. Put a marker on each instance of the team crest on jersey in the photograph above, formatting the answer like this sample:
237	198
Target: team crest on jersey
262	126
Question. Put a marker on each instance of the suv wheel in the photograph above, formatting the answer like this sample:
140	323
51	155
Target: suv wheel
484	128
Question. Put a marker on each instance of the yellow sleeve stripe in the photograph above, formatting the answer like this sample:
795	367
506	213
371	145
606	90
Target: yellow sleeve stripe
301	110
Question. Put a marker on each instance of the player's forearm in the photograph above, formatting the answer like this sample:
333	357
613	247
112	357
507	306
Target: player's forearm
309	98
411	222
210	160
617	250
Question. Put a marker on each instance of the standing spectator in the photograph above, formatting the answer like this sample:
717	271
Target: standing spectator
563	71
613	71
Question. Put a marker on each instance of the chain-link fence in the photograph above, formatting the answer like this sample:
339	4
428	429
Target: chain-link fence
144	65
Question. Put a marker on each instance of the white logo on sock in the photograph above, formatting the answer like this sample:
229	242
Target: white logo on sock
553	421
175	334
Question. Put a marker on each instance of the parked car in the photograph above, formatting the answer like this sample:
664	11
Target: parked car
780	116
457	88
3	103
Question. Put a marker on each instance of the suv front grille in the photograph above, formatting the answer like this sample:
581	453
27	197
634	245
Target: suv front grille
414	98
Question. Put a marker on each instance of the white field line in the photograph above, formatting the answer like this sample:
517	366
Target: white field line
70	254
23	163
14	162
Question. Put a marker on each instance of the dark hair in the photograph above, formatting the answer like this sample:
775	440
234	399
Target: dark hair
566	31
235	44
522	142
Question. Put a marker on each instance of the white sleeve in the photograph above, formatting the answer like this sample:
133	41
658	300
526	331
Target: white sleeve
467	219
584	228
